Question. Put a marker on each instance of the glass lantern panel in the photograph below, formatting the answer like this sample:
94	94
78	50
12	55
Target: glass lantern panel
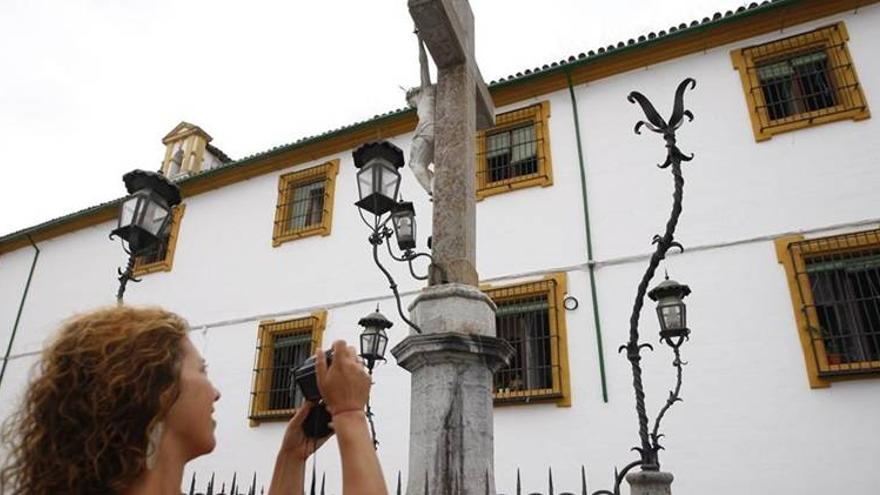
368	342
389	180
129	208
365	182
381	344
404	226
673	316
365	344
154	217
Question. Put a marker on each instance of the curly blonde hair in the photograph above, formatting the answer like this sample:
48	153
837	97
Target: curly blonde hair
100	388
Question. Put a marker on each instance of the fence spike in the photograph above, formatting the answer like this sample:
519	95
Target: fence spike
192	484
253	490
323	479
518	483
233	490
426	482
398	482
583	480
486	483
211	485
314	479
550	475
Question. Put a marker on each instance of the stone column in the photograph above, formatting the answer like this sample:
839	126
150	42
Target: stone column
649	483
454	244
452	361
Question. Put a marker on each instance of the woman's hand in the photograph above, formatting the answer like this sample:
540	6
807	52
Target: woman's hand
344	385
345	388
295	440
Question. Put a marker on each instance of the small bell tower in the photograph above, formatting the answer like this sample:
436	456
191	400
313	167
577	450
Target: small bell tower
187	152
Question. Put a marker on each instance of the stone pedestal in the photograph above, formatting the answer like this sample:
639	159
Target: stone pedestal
650	483
452	361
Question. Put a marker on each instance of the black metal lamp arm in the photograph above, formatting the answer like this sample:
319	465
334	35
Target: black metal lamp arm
376	238
125	275
409	256
674	396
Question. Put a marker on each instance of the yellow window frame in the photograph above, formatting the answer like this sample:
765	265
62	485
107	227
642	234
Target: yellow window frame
281	233
847	90
537	115
554	288
165	264
313	325
793	252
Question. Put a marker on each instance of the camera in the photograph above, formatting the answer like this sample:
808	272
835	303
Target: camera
317	424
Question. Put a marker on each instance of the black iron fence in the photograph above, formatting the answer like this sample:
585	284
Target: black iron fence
314	486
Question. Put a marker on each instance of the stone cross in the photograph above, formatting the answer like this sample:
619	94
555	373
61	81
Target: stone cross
463	106
451	449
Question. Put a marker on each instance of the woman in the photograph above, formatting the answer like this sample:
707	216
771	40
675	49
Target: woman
122	401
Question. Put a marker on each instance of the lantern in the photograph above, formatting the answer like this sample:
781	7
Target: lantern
145	214
404	219
378	177
671	310
373	338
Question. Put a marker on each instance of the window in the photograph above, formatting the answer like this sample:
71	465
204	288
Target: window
160	257
282	347
531	318
835	290
800	81
516	152
305	203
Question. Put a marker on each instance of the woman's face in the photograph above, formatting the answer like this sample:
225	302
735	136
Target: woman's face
190	424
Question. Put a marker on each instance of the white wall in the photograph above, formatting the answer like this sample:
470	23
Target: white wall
748	408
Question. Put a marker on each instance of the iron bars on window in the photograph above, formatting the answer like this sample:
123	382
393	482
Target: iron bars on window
527	319
838	284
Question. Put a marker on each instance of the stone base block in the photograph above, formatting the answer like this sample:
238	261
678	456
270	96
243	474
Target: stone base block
454	308
650	483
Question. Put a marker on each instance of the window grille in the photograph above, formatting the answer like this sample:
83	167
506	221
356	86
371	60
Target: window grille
512	153
800	81
797	85
160	256
838	287
516	152
529	317
281	348
307	207
305	203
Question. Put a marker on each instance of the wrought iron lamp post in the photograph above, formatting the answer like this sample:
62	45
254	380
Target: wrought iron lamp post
378	188
671	310
143	216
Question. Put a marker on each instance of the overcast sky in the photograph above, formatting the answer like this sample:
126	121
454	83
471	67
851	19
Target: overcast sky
89	87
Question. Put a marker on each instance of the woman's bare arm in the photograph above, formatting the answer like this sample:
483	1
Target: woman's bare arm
289	473
361	472
345	388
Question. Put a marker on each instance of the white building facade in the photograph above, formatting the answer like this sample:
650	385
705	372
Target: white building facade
781	228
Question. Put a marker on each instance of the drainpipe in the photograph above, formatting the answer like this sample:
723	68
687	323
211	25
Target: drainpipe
27	287
591	265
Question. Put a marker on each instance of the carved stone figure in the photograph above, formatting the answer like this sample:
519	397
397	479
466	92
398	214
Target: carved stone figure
421	153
